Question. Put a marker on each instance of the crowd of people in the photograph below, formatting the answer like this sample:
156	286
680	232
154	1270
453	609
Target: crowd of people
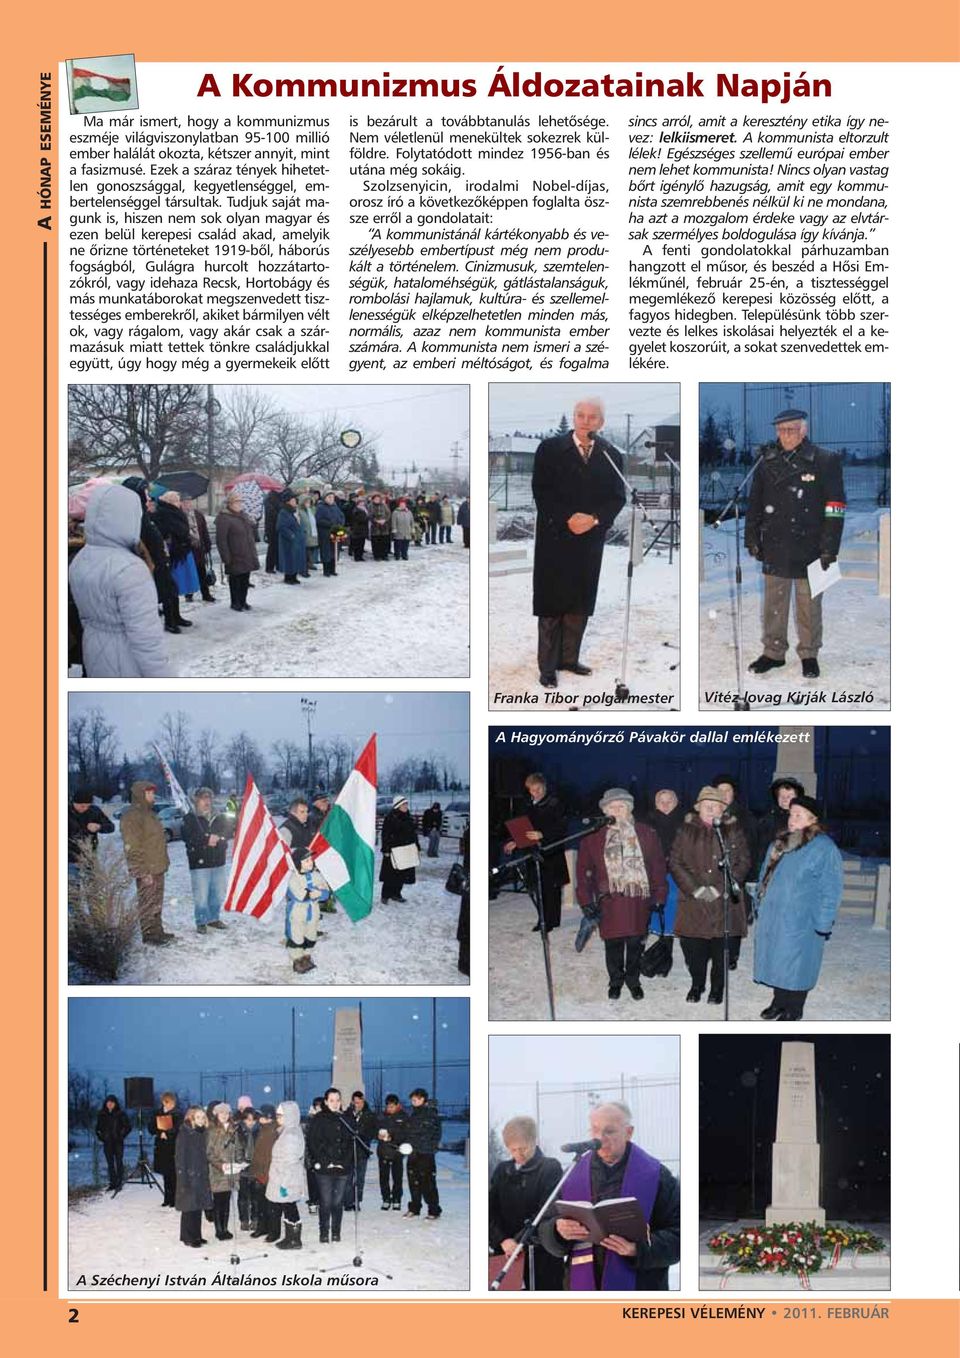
559	1253
266	1161
663	874
206	835
136	550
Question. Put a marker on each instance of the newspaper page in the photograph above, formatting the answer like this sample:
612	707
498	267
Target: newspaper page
670	318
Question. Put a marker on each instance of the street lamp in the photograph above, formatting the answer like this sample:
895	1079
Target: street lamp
308	706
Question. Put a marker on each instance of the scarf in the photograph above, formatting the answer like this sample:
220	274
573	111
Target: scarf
788	842
623	859
641	1180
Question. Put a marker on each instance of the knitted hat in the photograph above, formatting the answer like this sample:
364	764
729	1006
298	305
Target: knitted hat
219	1108
616	794
400	801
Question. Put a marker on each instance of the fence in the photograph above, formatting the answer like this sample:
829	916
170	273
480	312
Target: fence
866	487
511	488
563	1111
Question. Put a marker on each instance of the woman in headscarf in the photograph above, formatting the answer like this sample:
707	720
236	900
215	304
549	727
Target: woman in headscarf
695	864
621	868
175	530
291	540
797	899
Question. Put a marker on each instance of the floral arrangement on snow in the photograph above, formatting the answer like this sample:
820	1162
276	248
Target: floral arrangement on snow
794	1247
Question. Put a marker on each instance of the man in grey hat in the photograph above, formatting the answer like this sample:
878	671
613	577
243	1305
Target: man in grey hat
794	517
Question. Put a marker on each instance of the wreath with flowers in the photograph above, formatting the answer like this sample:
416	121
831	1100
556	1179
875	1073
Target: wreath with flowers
796	1248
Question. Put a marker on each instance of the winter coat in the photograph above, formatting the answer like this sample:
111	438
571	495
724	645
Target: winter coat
78	834
358	523
271	511
195	832
329	518
364	1123
566	565
171	523
199	532
800	903
424	1128
432	508
796	509
114	592
401	525
463	514
112	1126
432	819
164	1142
291	543
144	840
263	1152
398	828
223	1147
547	817
236	542
395	1124
246	1146
308	523
695	863
287	1179
296	833
328	1143
193	1171
517	1192
446	513
621	916
666	824
379	519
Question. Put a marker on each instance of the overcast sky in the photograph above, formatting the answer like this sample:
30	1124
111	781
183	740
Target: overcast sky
517	1063
121	1036
536	406
404	722
412	423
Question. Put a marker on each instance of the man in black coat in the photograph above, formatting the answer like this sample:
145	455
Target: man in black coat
205	837
423	1133
648	1260
152	543
295	830
271	508
113	1128
362	1120
549	825
518	1189
794	517
578	495
319	810
85	824
391	1135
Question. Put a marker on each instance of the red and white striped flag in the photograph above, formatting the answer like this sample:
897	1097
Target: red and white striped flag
261	861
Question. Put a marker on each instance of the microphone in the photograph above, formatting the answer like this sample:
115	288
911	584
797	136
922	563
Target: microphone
717	822
581	1147
598	821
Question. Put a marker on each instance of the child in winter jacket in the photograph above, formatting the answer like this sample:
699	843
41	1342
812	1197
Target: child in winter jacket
307	897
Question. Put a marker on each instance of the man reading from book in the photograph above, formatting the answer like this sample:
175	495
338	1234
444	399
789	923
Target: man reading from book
648	1199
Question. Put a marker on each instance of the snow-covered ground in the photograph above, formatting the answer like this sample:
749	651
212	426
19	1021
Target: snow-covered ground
653	656
854	982
133	1235
375	619
411	944
855	658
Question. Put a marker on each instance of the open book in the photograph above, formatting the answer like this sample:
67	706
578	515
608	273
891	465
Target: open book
612	1216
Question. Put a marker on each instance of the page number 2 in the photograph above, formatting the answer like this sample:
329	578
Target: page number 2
73	1316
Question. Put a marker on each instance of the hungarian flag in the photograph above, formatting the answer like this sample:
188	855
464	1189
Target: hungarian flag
92	85
343	850
261	861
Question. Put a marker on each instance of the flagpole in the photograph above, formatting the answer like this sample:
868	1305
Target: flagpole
293	1050
73	107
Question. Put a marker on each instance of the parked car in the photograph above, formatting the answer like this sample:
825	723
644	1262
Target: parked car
456	818
171	818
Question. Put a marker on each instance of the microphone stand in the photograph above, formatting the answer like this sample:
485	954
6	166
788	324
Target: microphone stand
731	892
534	885
672	526
357	1256
621	689
525	1237
740	702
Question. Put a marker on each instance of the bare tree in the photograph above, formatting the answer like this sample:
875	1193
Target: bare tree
117	424
288	762
245	435
175	739
243	756
294	447
92	749
209	758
